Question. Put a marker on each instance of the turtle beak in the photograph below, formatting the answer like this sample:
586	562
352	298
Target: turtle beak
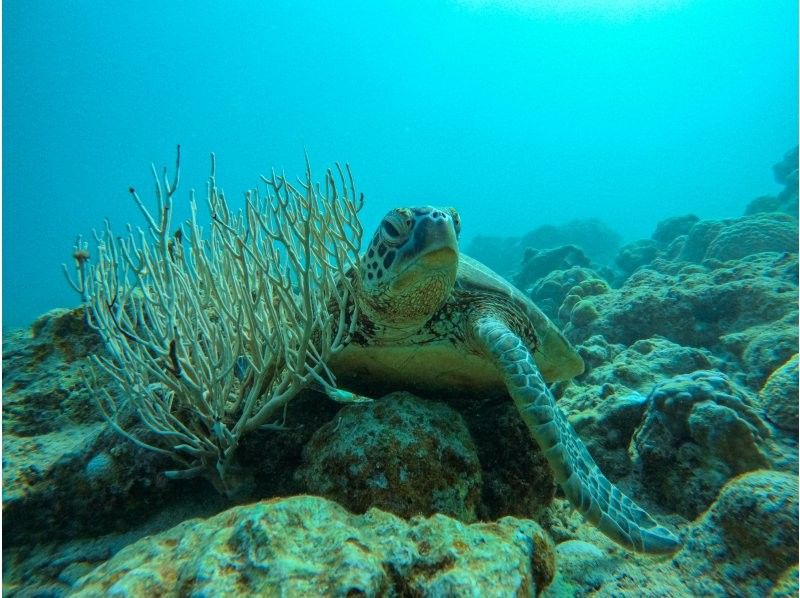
438	238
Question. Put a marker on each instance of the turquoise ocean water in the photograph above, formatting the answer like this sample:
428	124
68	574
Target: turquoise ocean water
517	113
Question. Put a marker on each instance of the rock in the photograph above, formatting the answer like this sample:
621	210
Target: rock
308	546
583	313
699	431
548	293
580	294
735	238
786	201
779	396
754	234
43	389
538	263
607	403
401	454
583	569
699	305
65	473
785	171
670	229
599	242
763	348
635	255
747	540
517	480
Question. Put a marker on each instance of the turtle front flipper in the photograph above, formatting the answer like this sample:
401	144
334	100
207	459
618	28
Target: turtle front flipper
600	502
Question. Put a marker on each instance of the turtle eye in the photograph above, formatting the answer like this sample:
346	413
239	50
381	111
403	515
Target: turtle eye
396	226
456	220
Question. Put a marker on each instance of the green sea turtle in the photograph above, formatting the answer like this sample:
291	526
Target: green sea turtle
433	319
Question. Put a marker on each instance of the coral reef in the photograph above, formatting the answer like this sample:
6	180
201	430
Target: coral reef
593	239
517	480
637	254
703	306
688	403
671	228
550	291
779	396
599	242
699	431
260	549
538	263
401	454
747	540
785	173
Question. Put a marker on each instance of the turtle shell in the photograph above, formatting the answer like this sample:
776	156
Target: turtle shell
556	358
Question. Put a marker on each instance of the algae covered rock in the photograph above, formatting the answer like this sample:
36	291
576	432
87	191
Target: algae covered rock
735	238
779	396
699	431
65	472
308	546
599	242
747	540
671	228
549	293
785	173
538	263
754	234
401	454
636	254
700	305
607	403
517	479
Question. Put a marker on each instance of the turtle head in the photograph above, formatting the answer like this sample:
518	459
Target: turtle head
410	266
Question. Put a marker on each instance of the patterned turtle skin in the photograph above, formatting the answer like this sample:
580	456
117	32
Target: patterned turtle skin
431	320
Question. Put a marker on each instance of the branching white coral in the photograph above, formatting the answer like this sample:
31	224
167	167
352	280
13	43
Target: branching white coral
209	336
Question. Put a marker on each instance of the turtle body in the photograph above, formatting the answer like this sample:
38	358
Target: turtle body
436	322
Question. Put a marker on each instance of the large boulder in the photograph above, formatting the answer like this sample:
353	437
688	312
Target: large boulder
699	431
308	546
401	454
747	540
701	306
779	396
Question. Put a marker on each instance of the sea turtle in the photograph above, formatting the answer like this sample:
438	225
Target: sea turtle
433	319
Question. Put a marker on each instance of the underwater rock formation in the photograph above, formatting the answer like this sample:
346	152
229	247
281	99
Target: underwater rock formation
517	479
779	396
606	405
308	546
64	472
597	240
699	431
549	292
400	454
637	254
703	306
785	173
501	254
755	234
735	238
670	229
538	263
747	540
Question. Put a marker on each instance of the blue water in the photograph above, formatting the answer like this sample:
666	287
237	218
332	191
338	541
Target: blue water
627	110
